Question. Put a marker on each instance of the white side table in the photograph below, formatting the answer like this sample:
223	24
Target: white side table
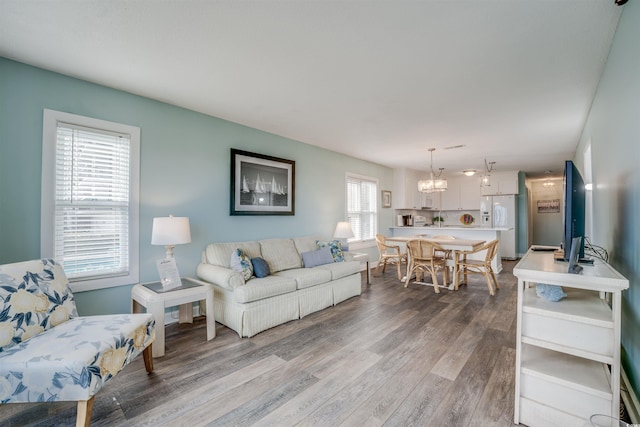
155	300
362	257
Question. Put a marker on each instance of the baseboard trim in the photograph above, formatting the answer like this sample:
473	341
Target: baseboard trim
630	399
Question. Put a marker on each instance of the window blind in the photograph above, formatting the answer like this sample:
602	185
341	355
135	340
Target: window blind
362	207
92	179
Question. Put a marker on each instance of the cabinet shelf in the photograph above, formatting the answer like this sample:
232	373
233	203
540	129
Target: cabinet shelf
577	373
567	352
580	306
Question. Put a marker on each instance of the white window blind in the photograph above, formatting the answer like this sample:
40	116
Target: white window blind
92	201
362	207
90	208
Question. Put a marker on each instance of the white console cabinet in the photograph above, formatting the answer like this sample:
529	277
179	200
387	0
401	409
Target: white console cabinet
567	352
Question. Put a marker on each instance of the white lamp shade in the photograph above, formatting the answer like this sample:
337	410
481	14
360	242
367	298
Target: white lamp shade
343	230
170	230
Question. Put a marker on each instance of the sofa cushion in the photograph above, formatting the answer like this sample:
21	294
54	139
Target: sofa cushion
281	254
260	267
261	288
307	277
32	302
306	244
318	257
341	269
241	263
336	249
220	253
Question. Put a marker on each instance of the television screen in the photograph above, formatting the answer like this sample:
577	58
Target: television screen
574	208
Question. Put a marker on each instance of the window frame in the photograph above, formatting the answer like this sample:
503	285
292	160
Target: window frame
353	242
51	118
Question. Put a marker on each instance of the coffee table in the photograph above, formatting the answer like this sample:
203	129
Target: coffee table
155	300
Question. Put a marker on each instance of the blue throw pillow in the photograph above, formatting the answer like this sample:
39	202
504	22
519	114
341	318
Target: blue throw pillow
336	249
242	263
318	257
260	267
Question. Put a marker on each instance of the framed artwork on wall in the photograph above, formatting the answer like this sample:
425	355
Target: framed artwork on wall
261	185
549	206
386	198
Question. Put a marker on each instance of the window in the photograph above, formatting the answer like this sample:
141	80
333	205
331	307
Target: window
362	206
89	212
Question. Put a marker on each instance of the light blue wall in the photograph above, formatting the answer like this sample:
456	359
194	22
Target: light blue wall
613	130
185	161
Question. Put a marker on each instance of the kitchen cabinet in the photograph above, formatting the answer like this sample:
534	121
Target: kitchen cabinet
501	183
405	189
567	352
462	193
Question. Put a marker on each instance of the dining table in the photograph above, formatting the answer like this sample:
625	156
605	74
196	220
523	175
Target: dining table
454	245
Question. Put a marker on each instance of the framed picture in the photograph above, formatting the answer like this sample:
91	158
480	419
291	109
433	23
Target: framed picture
386	198
261	185
549	206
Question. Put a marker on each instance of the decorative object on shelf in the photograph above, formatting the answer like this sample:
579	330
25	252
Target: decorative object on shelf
434	183
486	174
469	172
467	219
437	219
343	232
261	185
386	198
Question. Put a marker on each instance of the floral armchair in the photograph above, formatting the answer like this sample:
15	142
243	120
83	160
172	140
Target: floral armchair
48	353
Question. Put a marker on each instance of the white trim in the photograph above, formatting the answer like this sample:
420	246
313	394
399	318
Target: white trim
47	213
630	399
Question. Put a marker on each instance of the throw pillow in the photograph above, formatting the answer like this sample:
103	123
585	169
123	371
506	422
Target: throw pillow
260	267
336	249
241	263
317	257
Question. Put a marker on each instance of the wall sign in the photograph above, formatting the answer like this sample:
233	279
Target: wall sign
549	206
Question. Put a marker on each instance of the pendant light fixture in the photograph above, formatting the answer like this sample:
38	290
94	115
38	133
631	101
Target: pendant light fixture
434	183
488	167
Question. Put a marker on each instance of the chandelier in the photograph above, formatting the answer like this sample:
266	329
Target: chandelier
434	183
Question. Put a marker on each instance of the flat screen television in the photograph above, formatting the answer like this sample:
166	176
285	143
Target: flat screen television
574	208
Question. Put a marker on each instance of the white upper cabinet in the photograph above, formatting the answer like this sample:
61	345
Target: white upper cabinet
463	193
501	183
405	189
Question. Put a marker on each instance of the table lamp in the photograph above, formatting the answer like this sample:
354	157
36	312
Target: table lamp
343	232
170	231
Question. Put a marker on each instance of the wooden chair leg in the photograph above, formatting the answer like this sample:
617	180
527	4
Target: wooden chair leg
488	279
399	265
434	280
85	407
495	279
148	358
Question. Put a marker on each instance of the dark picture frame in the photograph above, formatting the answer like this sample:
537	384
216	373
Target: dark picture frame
261	184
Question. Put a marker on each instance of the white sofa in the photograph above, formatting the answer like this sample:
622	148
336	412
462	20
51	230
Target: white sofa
290	292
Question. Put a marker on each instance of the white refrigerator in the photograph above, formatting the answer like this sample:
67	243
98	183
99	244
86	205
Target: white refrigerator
501	212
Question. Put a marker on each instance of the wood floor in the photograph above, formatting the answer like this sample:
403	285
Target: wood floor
392	357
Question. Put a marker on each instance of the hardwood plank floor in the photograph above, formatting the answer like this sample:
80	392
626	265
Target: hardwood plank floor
393	356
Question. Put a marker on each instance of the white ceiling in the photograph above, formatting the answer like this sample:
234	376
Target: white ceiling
511	80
